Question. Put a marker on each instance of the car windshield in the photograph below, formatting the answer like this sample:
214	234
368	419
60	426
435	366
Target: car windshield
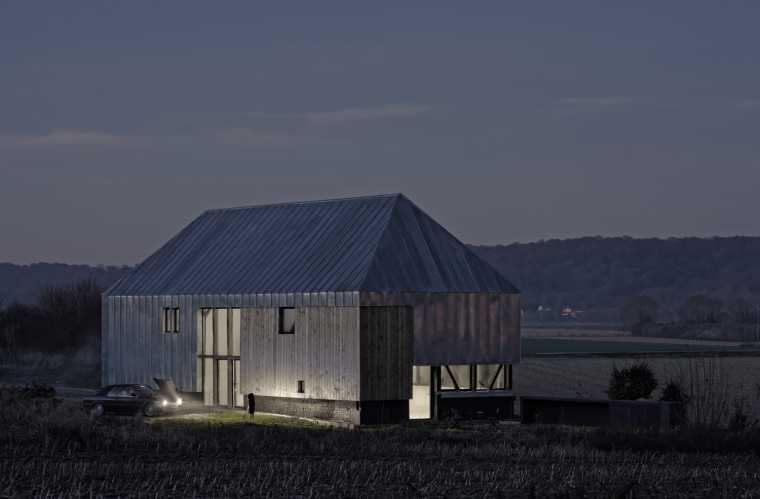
142	390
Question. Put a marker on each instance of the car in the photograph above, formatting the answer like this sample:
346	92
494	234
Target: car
130	399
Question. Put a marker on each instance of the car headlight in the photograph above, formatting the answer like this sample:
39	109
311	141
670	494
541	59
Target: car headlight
164	401
179	401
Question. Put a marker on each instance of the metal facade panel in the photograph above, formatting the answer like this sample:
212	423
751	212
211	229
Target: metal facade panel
106	339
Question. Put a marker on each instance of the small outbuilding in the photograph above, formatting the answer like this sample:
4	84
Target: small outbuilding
359	310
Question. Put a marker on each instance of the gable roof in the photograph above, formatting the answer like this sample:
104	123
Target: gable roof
378	243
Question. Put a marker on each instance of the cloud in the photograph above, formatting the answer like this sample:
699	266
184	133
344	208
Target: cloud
356	114
243	137
219	136
568	107
68	138
749	105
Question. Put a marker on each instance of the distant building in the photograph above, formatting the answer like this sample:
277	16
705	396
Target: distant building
359	310
569	312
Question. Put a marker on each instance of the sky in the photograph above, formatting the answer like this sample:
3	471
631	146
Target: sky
121	122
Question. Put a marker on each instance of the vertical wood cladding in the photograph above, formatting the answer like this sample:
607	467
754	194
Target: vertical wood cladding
459	328
323	352
386	352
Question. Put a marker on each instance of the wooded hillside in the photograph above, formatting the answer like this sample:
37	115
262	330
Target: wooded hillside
602	273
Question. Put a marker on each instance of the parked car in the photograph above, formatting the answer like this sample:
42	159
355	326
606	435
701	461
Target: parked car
129	398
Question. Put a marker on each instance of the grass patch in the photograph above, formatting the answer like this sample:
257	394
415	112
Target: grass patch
194	422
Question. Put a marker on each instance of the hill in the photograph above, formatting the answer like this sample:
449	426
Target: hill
601	273
20	282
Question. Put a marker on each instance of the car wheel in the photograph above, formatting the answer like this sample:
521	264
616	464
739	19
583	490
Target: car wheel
99	409
150	410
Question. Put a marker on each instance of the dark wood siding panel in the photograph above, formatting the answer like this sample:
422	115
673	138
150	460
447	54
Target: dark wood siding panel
515	329
494	323
386	342
460	328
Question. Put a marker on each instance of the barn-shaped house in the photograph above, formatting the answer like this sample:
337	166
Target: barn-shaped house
360	310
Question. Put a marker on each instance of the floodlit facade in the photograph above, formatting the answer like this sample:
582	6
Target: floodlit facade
360	310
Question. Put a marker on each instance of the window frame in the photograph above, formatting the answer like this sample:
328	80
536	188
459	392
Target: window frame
282	320
502	372
170	317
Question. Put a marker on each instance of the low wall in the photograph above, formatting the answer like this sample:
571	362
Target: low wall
600	412
476	405
346	411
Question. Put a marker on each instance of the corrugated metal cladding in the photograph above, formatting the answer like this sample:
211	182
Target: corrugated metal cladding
313	254
135	348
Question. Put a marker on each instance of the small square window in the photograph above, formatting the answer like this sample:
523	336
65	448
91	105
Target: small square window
287	320
301	387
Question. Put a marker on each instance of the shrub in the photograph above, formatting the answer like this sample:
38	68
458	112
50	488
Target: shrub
632	383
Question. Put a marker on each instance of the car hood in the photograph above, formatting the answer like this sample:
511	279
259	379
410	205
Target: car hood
168	389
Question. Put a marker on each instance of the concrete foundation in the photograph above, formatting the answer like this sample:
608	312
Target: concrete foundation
389	411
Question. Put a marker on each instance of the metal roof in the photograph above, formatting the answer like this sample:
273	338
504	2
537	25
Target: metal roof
378	243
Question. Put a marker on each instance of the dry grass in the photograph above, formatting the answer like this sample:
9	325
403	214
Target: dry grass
51	447
552	471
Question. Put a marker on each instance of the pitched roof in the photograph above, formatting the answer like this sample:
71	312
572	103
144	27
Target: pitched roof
378	243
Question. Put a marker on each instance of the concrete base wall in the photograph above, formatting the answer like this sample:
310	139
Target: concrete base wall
476	407
389	411
596	412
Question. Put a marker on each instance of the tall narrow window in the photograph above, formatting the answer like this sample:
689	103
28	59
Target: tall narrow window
287	320
171	320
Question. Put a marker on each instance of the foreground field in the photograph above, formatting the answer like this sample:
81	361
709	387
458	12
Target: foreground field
460	471
50	448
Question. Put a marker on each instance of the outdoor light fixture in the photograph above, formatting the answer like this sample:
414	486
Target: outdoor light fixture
164	401
179	401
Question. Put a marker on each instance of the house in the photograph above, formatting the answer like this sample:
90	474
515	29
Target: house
360	310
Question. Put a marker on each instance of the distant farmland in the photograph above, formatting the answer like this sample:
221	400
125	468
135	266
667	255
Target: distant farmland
554	345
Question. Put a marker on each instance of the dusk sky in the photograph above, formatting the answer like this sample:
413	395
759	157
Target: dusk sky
121	122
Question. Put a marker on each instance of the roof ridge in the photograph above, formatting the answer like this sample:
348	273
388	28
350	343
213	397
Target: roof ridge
365	273
306	202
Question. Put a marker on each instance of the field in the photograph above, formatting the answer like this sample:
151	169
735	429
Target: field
584	345
51	448
587	377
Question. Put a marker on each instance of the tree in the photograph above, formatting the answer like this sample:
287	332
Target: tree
702	309
632	383
639	310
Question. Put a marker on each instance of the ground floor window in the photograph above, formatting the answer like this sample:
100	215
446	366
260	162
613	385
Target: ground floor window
480	377
428	380
419	405
219	372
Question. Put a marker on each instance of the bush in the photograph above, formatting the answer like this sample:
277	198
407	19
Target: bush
632	383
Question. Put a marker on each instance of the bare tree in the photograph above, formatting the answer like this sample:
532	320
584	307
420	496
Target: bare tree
702	309
638	311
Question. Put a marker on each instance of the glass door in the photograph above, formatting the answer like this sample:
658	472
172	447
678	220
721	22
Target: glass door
236	388
219	357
